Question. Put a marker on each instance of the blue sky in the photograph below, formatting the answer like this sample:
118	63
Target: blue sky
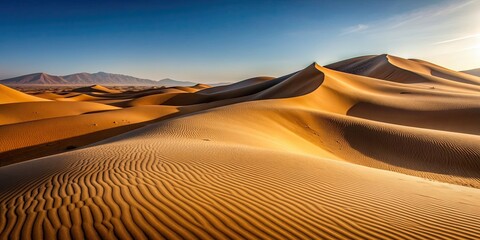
221	41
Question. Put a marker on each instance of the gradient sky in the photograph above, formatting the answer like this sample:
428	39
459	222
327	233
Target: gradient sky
223	41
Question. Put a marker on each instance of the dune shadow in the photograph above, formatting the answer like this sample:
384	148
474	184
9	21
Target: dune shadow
414	152
452	77
463	120
288	86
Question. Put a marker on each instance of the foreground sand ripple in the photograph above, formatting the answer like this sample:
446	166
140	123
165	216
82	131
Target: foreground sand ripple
132	190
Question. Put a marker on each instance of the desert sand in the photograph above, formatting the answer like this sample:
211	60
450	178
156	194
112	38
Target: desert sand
374	147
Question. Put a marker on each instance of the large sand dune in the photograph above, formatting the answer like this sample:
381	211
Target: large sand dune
8	95
382	148
408	71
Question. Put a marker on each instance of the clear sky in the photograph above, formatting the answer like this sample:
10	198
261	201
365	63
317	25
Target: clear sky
223	41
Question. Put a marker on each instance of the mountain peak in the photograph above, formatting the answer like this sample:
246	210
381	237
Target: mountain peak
89	79
103	73
44	74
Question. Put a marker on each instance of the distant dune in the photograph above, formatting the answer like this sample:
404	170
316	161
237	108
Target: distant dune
96	89
404	71
374	147
475	72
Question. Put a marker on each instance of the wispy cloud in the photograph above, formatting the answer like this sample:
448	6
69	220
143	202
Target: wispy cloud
425	14
422	17
446	32
458	39
354	29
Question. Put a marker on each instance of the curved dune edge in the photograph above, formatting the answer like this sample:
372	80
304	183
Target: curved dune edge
95	89
407	71
9	95
31	111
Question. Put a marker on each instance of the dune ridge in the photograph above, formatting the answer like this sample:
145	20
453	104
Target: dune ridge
31	111
9	95
95	89
408	71
375	147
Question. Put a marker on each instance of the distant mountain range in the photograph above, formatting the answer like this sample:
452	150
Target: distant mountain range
100	78
475	72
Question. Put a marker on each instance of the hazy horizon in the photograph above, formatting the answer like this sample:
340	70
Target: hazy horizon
224	42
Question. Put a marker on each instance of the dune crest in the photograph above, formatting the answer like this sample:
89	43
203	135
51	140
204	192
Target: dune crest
9	95
96	89
410	71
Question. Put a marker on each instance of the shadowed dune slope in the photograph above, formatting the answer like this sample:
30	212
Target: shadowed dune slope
446	73
247	90
377	67
240	84
316	154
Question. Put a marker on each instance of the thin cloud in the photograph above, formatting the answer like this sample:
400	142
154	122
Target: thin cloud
417	17
458	39
354	29
446	28
426	14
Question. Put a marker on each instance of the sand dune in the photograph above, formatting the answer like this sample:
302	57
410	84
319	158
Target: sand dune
474	72
79	97
401	70
30	111
23	141
449	74
95	89
8	95
240	84
375	147
49	95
